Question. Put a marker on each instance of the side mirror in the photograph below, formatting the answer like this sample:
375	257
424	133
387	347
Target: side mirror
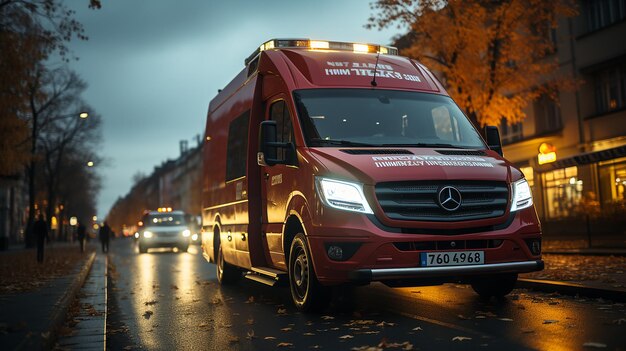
493	139
268	145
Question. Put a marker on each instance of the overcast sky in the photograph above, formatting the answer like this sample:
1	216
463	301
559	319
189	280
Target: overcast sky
153	66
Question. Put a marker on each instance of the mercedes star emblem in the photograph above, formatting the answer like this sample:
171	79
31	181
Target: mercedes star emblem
449	198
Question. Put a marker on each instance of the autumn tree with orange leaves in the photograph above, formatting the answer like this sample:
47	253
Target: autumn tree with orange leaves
493	57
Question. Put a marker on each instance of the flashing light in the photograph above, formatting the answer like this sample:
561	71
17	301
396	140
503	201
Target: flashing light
164	209
321	45
318	44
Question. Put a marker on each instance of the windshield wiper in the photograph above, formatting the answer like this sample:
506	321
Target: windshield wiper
319	141
450	146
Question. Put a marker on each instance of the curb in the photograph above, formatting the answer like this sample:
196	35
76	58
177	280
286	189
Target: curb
585	252
571	289
57	317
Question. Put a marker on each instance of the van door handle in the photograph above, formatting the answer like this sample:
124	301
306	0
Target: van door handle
243	237
229	237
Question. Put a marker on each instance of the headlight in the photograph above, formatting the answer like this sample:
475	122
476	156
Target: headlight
186	233
522	196
342	195
194	237
136	235
147	234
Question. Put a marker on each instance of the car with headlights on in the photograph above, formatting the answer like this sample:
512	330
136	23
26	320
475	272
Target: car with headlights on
164	228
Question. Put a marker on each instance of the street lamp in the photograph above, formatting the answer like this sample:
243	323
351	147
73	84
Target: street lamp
31	171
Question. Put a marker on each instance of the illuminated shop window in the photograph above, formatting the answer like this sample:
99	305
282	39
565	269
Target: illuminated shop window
562	190
529	174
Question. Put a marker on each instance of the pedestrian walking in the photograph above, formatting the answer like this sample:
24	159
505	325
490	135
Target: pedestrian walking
105	233
41	232
81	232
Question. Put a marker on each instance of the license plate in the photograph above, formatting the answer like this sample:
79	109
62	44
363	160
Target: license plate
451	258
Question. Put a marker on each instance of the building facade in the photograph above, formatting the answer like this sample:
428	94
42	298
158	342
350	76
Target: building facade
572	150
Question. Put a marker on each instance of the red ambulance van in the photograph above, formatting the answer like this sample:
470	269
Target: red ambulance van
332	163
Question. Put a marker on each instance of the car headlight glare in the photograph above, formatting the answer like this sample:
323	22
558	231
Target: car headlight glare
186	233
194	237
342	195
522	196
147	234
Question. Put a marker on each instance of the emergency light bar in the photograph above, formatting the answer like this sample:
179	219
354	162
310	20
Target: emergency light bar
321	45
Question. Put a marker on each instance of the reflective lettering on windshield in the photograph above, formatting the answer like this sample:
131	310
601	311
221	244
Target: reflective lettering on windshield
366	69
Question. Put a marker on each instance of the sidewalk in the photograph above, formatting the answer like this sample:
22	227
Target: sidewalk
573	269
32	308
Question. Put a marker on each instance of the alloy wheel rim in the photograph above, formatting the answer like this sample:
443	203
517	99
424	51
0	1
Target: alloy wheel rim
300	274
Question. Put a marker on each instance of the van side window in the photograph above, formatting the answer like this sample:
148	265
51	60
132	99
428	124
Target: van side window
284	128
237	149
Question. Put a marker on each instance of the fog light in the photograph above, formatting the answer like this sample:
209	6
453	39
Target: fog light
335	253
535	247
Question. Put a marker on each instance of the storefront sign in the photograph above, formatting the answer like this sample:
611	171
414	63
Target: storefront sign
547	153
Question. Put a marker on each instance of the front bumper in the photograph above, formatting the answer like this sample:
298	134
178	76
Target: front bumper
381	274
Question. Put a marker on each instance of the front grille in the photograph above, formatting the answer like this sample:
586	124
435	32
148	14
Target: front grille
447	245
417	201
166	234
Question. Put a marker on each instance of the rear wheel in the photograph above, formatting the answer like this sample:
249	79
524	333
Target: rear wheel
226	273
496	285
306	292
142	249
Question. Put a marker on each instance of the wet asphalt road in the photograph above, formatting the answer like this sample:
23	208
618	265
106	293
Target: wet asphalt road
165	300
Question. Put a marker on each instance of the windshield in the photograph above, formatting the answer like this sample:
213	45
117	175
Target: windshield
164	220
363	118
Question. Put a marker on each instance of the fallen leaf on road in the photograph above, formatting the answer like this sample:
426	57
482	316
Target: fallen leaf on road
284	344
527	331
550	321
233	339
417	328
282	311
216	301
619	321
462	317
250	299
45	335
250	321
226	325
150	303
385	324
373	332
308	334
328	318
344	337
250	335
202	325
148	314
461	338
506	319
286	329
269	338
596	345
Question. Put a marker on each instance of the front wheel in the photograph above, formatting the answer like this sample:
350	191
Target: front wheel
306	292
496	285
226	273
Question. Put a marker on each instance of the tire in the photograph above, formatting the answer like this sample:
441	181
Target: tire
306	292
226	273
142	249
497	285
